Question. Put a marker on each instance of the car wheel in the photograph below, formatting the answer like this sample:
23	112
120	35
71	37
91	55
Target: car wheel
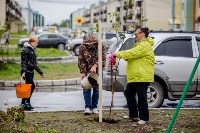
76	50
155	95
61	47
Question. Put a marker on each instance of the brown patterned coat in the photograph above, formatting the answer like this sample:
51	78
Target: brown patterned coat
88	54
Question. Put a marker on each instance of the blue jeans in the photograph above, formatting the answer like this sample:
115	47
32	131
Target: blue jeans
139	88
91	101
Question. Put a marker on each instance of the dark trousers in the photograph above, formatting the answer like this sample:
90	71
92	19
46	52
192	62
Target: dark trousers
29	80
7	41
139	88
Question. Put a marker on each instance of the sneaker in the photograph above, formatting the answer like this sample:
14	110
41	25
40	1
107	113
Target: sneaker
87	111
95	111
141	122
125	117
22	105
32	107
27	107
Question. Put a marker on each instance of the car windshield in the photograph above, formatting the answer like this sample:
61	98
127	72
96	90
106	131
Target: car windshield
128	44
115	45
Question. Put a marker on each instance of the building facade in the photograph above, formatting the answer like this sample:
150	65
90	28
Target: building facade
11	14
74	15
153	14
38	19
185	15
32	19
156	11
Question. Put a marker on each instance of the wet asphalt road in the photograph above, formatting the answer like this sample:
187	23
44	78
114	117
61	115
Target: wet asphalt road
73	101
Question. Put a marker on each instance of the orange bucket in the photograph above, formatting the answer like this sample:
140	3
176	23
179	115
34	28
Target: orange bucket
23	90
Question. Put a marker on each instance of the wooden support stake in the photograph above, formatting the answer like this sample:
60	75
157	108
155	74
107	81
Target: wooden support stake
100	68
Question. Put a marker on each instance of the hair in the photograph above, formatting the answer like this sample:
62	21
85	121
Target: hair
32	39
145	30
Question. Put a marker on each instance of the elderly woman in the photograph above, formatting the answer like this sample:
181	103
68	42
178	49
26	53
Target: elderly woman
88	62
140	72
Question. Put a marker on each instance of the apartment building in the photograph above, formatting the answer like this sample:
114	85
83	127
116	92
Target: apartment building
32	18
185	15
11	14
100	12
74	15
156	11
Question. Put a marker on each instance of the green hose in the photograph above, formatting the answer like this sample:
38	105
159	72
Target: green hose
183	96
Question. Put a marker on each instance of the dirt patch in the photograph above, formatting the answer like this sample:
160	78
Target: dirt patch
77	122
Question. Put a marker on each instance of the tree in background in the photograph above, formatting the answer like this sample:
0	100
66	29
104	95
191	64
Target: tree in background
65	23
3	29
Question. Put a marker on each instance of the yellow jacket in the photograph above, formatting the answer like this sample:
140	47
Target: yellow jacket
140	61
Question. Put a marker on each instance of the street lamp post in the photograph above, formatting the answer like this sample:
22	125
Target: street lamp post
29	18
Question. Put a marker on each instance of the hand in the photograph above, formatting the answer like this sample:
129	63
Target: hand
23	75
93	68
42	75
111	56
82	76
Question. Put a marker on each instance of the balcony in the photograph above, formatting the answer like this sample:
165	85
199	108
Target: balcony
118	9
7	1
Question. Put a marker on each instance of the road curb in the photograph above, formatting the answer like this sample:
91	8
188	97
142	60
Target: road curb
43	58
44	83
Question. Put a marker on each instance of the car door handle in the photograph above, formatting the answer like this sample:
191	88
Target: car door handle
159	62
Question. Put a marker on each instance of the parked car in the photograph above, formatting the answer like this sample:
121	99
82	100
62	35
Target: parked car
38	30
108	38
175	56
47	40
65	32
74	44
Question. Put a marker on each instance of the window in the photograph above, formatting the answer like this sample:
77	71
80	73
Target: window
128	44
53	36
116	45
176	47
43	37
198	43
199	3
110	36
160	50
118	9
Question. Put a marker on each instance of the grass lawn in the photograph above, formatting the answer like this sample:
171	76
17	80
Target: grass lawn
41	52
13	42
11	71
188	121
19	33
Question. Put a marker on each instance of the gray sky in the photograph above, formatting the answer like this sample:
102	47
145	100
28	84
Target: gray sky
56	10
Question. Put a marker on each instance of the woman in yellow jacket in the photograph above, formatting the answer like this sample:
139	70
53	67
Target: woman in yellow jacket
140	72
